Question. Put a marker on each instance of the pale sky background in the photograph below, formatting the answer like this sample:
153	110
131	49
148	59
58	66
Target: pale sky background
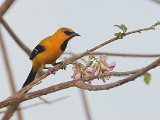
33	20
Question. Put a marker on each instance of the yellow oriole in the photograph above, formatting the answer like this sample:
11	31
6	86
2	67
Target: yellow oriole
49	50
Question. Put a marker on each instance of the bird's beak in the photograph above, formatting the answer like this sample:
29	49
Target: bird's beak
75	34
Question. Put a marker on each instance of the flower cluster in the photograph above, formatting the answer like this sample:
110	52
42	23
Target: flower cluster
94	66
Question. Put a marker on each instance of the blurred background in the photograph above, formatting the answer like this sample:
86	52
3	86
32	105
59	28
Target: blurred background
33	20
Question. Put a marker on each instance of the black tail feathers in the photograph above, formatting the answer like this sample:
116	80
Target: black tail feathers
30	77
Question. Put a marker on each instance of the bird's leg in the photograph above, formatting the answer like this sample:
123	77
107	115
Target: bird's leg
63	64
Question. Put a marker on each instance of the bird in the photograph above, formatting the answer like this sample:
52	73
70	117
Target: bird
49	50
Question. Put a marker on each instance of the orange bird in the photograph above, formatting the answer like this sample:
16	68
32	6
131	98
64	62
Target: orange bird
49	50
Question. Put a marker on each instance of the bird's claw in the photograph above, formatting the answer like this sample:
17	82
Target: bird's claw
63	65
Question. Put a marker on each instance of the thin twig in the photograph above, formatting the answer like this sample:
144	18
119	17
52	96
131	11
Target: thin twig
4	7
121	54
15	37
44	100
9	71
109	41
157	1
7	65
127	54
85	104
40	103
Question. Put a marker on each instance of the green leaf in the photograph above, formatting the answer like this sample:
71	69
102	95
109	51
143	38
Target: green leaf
119	26
147	78
122	27
119	35
156	24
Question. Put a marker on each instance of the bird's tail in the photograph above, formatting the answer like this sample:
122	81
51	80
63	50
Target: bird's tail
31	76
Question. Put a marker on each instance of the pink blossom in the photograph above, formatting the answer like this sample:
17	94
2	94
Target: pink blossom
77	76
90	72
107	67
103	66
103	57
76	73
96	67
112	65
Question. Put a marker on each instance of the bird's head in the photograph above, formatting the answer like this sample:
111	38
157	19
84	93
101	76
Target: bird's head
69	32
63	35
66	33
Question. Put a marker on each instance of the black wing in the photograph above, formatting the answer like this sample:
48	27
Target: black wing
38	49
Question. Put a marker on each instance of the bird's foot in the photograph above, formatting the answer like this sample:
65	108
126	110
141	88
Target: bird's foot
62	64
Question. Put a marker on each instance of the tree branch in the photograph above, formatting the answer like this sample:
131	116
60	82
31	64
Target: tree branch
157	1
127	54
40	103
85	104
9	71
15	37
78	83
5	6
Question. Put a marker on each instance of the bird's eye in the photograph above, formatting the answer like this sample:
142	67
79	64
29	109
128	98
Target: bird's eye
68	32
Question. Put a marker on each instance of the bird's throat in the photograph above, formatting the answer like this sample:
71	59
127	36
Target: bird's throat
64	44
